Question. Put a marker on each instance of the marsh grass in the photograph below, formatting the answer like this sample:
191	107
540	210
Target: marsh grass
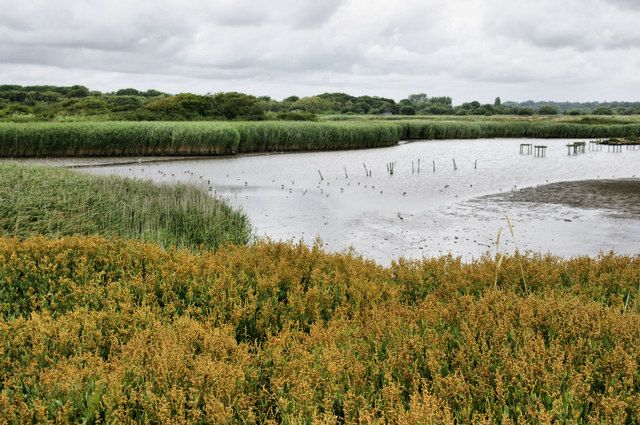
61	139
58	202
417	129
187	138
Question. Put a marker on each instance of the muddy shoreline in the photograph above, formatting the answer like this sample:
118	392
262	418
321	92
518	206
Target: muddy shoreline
620	196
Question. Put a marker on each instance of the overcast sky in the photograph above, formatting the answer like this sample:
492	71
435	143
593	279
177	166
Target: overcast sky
467	49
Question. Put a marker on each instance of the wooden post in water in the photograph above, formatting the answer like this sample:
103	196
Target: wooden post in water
455	167
418	165
526	151
390	166
434	166
577	147
540	151
321	178
346	176
475	165
413	170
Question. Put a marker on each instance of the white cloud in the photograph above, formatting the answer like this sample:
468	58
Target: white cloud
469	49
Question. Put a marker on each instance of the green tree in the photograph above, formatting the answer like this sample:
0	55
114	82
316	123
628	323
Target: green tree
603	111
124	103
233	105
407	110
524	111
91	105
417	98
184	105
315	104
547	110
128	92
153	93
440	100
78	91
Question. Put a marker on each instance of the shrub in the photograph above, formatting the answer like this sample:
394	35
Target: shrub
547	110
97	330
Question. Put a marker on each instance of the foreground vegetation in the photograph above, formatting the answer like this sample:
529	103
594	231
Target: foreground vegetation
107	330
226	138
59	202
99	330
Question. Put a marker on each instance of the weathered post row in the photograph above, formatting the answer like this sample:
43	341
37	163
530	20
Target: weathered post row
540	151
525	149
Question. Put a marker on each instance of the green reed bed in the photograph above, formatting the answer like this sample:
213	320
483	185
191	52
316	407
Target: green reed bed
117	139
58	202
187	138
415	130
309	136
228	138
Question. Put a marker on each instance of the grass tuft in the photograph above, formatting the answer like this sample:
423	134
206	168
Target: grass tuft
59	202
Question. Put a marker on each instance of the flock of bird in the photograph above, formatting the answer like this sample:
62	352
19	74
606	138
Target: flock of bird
323	187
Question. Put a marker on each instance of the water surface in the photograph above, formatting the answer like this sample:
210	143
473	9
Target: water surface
412	213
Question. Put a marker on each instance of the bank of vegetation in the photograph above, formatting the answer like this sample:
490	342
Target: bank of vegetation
97	330
78	103
418	130
59	202
187	138
228	138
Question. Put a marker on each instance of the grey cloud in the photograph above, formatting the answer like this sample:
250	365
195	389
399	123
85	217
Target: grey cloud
626	4
464	48
298	14
314	13
581	25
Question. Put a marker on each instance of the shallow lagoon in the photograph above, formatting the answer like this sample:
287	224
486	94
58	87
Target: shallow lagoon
414	214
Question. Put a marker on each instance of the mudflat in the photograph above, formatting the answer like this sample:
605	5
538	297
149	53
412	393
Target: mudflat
621	196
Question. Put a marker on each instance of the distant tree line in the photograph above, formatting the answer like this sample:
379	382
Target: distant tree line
580	108
74	102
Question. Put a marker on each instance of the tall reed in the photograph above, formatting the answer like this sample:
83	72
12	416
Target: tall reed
228	138
59	202
416	129
187	138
